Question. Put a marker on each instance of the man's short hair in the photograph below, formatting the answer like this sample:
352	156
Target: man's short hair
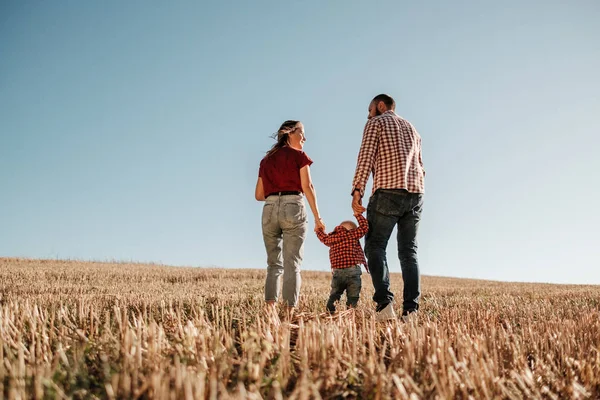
387	100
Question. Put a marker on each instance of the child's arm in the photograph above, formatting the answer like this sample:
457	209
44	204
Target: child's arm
328	239
322	236
363	226
331	239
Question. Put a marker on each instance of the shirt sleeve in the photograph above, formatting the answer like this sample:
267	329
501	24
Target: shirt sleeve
343	235
261	169
303	160
357	233
324	238
421	156
329	239
363	227
366	156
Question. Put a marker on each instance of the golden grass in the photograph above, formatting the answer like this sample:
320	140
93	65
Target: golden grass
102	330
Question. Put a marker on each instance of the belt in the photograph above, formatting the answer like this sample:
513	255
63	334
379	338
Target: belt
285	193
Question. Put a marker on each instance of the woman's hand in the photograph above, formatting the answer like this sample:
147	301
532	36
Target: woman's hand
319	225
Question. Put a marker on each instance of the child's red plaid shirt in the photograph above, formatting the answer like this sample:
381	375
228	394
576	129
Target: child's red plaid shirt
344	245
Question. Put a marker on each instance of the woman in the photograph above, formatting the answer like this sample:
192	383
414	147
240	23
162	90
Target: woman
284	175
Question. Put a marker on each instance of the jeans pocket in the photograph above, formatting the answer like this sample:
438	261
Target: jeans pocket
266	214
294	212
418	208
389	204
352	272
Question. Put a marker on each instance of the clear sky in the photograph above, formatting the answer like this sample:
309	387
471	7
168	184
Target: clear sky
133	130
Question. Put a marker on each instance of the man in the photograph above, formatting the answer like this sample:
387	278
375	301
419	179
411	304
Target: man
391	150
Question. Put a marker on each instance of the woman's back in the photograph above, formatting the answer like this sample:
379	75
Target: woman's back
280	170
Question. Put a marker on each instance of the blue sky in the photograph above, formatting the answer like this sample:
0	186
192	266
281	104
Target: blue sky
133	130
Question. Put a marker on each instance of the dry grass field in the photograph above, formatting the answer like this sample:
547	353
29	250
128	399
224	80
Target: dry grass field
100	330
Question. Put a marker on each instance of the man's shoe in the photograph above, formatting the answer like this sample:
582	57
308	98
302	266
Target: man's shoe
410	316
386	314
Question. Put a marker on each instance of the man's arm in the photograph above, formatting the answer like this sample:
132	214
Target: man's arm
366	156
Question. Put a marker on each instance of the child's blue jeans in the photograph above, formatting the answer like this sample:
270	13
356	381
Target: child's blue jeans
345	279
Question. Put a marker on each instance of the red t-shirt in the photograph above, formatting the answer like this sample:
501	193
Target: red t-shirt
280	172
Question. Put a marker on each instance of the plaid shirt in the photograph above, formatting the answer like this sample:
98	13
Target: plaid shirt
344	246
391	150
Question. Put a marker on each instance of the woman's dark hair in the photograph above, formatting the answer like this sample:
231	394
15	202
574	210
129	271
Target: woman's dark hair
282	135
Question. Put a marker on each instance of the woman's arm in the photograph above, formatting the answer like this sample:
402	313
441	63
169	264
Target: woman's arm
311	195
259	192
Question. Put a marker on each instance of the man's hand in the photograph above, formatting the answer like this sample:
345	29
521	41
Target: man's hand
357	203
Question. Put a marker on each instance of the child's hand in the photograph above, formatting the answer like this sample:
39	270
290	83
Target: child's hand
319	226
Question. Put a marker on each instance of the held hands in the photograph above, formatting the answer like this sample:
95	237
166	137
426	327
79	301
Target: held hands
319	225
357	206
